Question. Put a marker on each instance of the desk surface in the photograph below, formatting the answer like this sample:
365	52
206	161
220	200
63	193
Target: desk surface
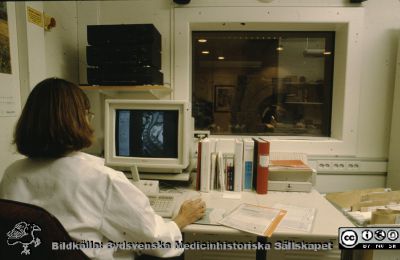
326	223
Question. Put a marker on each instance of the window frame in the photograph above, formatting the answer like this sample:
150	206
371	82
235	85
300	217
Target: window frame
347	24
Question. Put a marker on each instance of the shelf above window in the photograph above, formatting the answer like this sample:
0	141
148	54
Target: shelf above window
156	90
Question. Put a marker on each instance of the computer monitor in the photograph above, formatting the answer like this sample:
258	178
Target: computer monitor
152	135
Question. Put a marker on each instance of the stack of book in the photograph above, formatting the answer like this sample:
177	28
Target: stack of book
244	164
219	165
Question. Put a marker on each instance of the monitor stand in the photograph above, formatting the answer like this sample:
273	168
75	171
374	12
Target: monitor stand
135	174
146	186
184	176
136	177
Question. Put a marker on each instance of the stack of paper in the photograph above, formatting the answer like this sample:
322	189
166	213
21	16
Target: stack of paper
258	220
297	218
290	175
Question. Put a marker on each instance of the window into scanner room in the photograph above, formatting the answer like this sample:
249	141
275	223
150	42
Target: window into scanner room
263	83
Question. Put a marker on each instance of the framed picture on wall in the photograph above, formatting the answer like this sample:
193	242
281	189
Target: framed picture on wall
9	74
5	58
223	98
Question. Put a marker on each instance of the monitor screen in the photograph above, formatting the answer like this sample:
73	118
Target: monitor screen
147	133
152	135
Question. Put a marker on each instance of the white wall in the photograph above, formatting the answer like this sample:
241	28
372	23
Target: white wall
393	179
61	42
35	47
47	53
382	25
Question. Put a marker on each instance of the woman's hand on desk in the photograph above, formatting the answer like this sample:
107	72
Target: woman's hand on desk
191	210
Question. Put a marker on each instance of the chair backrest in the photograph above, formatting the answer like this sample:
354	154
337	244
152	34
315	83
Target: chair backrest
28	232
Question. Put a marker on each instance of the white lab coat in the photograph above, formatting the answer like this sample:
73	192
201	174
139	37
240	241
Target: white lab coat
92	201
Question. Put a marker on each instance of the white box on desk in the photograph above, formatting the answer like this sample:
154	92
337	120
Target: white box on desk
289	186
301	181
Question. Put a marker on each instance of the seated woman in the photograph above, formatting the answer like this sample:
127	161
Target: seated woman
92	201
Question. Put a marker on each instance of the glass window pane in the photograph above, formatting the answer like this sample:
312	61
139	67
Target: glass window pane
263	83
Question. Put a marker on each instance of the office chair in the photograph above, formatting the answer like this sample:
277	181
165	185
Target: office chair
27	232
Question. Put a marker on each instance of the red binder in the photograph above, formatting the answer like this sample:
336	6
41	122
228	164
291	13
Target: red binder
198	166
262	166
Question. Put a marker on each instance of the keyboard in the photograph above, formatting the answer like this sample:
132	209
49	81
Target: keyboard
163	203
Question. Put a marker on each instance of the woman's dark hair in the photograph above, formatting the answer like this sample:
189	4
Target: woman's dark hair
54	120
